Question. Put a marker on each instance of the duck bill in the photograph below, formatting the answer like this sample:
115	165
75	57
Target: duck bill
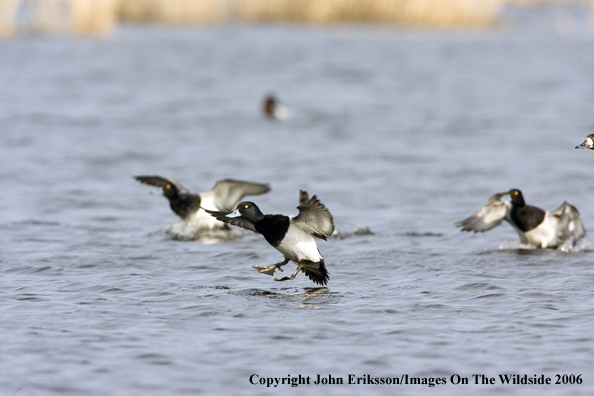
582	146
234	214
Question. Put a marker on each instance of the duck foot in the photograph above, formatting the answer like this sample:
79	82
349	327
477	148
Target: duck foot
270	269
292	276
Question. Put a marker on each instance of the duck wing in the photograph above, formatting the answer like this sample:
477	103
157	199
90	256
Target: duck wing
159	181
313	217
571	225
488	217
227	193
236	221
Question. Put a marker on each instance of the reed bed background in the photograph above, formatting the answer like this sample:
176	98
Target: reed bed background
176	11
99	17
96	17
419	12
426	12
8	11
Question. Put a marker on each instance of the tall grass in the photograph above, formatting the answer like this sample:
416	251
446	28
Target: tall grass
98	17
419	12
175	11
426	12
8	12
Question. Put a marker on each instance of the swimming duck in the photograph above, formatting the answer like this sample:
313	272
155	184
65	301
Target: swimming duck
588	143
536	227
225	194
274	109
293	237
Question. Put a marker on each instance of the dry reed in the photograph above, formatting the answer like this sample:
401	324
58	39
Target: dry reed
97	17
8	15
427	12
421	12
175	11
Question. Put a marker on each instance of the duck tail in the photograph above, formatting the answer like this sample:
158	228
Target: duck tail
317	272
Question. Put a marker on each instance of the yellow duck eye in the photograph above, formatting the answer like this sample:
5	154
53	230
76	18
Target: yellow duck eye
168	186
246	206
515	193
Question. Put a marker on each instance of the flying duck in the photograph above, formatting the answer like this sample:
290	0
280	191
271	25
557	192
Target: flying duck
225	194
536	227
588	143
293	237
274	109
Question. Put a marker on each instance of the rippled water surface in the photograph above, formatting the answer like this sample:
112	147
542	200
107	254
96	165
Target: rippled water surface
400	133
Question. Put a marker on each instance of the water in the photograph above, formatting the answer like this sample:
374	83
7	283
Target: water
403	132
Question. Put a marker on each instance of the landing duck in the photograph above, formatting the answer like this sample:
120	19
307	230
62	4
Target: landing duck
293	237
224	195
539	228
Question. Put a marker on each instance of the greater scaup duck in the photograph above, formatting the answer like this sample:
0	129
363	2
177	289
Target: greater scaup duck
224	195
588	143
536	227
293	237
274	109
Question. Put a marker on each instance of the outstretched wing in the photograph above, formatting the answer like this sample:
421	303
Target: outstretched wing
227	193
313	217
588	143
159	181
236	221
569	216
488	217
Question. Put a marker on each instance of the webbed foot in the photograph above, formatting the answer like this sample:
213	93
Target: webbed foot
270	269
290	277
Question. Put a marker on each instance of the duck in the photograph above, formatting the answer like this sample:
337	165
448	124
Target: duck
292	236
588	143
189	207
560	228
274	109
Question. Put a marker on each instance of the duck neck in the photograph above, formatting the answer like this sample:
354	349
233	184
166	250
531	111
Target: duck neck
526	217
273	228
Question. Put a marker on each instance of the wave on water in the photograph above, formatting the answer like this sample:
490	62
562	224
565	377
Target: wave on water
305	296
357	231
423	234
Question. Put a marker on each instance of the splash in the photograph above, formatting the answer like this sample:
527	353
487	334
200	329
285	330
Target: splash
582	246
182	231
570	246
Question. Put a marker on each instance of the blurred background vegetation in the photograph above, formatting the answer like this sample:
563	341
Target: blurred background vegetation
99	17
